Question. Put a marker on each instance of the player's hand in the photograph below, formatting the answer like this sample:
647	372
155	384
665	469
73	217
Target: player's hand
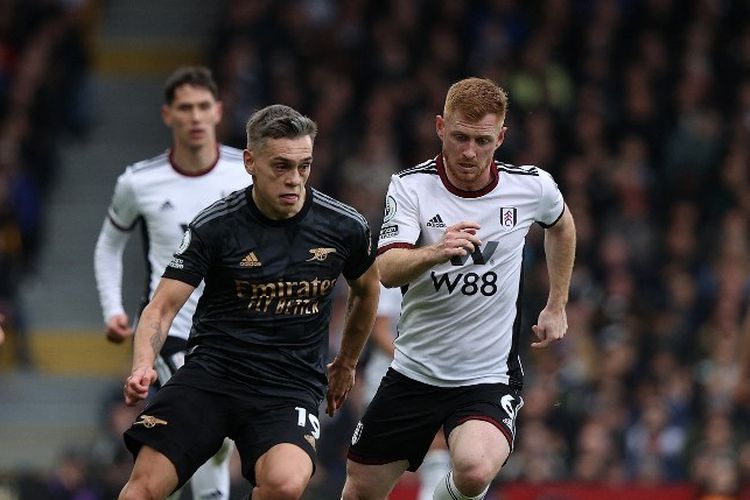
2	332
458	240
137	384
551	326
118	328
340	382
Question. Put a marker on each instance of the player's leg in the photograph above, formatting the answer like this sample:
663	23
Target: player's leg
276	440
153	477
211	480
393	435
181	424
480	437
436	465
371	482
282	473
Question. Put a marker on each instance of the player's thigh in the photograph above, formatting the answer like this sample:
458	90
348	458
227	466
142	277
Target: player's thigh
185	424
400	422
482	430
153	474
264	423
371	482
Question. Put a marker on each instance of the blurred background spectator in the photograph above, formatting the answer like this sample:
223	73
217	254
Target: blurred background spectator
639	108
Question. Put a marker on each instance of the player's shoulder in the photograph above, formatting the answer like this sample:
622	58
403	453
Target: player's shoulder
425	169
337	210
527	170
149	165
225	208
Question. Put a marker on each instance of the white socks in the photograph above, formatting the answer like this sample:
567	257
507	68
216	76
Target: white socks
446	490
432	471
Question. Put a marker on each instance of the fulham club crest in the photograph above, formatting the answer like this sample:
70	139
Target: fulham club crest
508	217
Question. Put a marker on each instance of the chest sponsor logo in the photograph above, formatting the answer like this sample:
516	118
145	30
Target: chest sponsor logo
390	208
250	260
389	231
150	422
298	298
508	217
481	255
436	221
320	254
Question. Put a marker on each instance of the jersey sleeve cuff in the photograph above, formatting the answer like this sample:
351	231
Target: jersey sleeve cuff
545	226
191	279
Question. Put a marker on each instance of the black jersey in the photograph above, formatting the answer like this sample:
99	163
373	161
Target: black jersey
263	317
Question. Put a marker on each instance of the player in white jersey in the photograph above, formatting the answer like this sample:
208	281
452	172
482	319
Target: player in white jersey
164	194
453	236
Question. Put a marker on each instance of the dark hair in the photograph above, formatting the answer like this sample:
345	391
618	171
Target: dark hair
275	122
198	76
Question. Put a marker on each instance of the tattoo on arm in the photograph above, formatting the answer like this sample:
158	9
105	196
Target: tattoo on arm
157	338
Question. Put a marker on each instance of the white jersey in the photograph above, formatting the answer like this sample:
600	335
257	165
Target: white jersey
156	192
460	320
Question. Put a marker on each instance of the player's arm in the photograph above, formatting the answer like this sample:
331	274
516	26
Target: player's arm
108	272
152	330
362	303
559	248
399	266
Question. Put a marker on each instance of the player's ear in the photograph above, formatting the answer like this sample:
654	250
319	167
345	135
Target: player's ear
440	126
166	116
219	111
500	136
249	161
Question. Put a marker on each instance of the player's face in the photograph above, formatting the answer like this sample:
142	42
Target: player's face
192	116
280	169
468	148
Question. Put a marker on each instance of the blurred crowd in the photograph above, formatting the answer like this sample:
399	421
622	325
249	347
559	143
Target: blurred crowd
639	108
43	99
641	111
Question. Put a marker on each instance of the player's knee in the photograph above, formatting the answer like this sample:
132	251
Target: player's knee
287	487
472	477
355	489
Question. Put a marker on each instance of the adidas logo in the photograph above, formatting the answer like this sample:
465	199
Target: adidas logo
250	260
436	221
167	205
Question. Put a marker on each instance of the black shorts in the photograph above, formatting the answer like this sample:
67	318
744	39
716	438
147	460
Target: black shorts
405	415
188	424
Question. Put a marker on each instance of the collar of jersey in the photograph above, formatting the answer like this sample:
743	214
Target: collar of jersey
460	192
309	193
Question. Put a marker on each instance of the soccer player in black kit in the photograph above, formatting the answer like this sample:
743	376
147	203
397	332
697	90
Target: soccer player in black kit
270	256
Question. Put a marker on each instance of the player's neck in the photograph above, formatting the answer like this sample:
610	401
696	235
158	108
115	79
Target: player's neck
195	160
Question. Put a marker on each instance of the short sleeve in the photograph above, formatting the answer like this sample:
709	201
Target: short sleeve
400	220
551	203
123	210
362	254
193	257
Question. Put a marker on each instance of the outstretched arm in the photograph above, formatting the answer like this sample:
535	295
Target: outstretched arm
560	248
361	306
399	266
152	330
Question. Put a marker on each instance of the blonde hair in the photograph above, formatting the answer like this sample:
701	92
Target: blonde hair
474	98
